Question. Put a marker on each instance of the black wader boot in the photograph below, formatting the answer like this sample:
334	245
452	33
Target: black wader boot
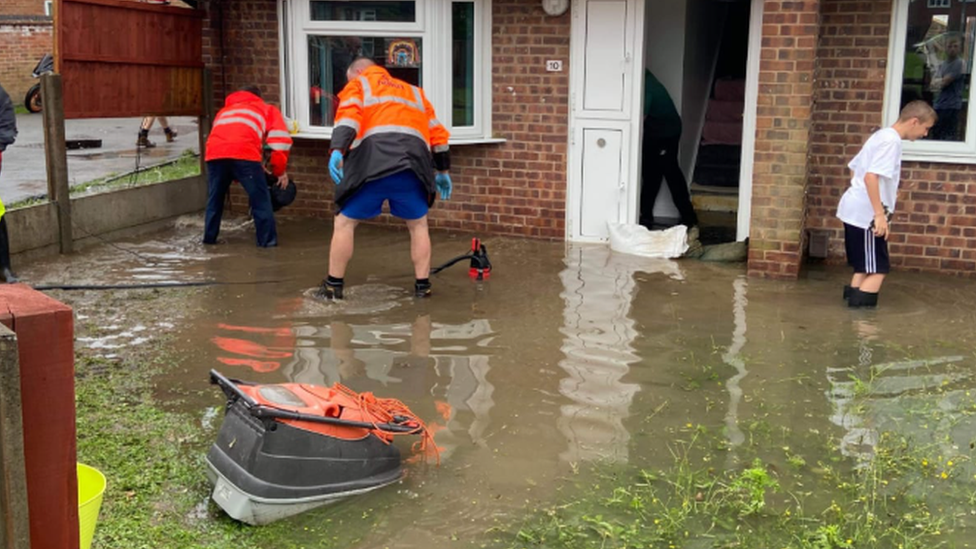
862	299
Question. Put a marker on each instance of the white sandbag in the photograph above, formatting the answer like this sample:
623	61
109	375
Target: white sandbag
637	240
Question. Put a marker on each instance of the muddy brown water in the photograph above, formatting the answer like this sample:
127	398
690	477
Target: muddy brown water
567	355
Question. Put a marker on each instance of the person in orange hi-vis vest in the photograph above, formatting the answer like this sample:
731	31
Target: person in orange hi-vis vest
386	146
234	153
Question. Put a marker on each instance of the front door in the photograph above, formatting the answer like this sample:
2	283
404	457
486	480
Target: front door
604	118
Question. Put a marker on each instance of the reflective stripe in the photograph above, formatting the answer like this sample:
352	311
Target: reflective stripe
419	97
369	99
441	148
434	123
224	120
279	133
349	123
257	116
404	130
279	146
372	101
350	101
367	90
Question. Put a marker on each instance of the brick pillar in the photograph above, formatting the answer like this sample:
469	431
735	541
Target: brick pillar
783	124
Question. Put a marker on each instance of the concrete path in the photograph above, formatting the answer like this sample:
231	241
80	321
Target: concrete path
24	172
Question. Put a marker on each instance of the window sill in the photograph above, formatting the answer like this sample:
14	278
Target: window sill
936	158
454	142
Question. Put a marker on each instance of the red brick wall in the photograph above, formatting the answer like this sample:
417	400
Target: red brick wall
22	7
935	225
515	188
783	123
21	46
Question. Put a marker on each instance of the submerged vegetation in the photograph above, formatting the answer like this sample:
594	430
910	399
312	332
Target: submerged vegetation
884	503
906	481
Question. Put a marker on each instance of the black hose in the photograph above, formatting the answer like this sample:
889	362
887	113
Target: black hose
144	286
436	270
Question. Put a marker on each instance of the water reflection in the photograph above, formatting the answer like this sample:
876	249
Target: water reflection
432	365
733	358
598	289
924	399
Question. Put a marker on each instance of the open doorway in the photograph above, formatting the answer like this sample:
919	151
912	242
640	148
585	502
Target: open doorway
697	50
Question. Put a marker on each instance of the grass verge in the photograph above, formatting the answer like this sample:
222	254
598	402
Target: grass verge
187	165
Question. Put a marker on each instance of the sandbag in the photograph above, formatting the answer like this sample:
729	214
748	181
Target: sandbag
636	239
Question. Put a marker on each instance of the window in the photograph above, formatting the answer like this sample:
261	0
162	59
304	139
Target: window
939	3
930	59
442	46
49	8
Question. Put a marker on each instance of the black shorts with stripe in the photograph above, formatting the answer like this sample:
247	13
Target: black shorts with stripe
866	253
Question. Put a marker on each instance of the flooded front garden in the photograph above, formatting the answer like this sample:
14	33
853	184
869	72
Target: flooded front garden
579	398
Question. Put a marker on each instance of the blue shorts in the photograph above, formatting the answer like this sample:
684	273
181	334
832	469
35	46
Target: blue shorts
407	195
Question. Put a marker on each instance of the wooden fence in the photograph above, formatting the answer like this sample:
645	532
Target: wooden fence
120	58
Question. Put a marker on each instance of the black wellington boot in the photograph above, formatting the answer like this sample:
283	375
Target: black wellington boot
847	291
5	271
861	299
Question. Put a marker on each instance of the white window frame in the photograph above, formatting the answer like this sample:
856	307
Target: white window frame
938	4
953	152
433	26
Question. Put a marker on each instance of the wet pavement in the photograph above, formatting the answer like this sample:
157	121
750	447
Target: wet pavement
24	172
568	355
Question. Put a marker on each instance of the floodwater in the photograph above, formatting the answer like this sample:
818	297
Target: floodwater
568	355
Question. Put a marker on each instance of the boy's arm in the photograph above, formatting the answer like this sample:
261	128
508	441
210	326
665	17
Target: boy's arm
873	185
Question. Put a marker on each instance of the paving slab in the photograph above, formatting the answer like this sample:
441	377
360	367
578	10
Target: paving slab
25	173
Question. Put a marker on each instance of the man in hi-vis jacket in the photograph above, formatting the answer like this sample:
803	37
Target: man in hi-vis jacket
386	146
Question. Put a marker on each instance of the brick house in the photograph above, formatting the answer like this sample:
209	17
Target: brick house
25	36
545	98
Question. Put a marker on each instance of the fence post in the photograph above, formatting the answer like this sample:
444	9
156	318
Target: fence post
206	119
14	516
56	153
45	352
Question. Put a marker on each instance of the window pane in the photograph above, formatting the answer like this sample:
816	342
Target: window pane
365	10
330	56
938	63
463	63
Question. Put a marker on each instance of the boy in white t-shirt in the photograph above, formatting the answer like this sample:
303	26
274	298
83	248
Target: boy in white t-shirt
867	206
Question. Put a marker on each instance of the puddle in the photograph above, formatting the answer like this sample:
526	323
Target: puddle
568	356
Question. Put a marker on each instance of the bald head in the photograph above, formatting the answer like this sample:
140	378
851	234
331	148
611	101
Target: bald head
358	66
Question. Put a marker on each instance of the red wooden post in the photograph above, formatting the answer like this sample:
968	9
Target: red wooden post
45	343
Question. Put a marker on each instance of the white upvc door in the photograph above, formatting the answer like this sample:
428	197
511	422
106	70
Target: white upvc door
605	103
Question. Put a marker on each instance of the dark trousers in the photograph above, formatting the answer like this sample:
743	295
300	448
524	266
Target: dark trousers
4	239
660	160
220	174
947	127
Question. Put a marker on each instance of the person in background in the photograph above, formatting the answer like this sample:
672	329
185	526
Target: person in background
234	153
869	203
8	134
386	146
949	82
147	122
662	135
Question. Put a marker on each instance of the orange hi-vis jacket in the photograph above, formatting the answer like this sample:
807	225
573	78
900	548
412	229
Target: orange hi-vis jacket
241	128
383	126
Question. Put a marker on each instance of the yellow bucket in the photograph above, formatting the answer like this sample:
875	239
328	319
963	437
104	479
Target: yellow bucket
91	487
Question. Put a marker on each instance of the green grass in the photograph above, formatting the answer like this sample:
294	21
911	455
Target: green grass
187	165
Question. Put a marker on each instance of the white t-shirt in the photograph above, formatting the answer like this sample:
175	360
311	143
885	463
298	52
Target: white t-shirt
881	155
